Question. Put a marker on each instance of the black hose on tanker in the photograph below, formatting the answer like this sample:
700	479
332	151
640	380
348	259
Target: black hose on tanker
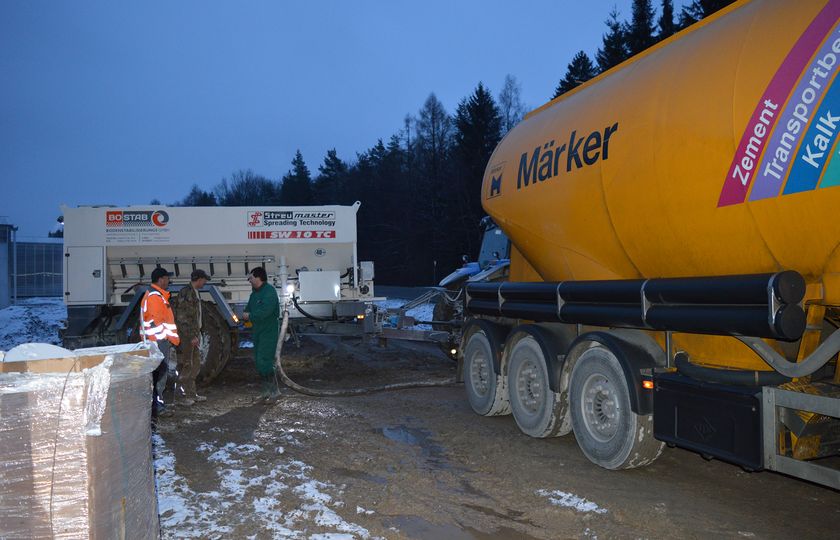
278	363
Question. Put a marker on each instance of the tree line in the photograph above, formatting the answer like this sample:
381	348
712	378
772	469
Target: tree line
420	189
624	39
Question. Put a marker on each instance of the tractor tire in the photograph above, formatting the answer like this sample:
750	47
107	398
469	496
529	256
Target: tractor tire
215	345
443	311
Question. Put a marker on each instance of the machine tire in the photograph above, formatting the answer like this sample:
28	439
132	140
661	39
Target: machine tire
216	343
538	410
486	391
131	332
608	432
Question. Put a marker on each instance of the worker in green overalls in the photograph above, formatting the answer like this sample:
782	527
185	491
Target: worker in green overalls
263	310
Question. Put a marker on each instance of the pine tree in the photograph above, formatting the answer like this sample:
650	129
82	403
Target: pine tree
330	184
246	189
640	30
198	197
511	108
478	126
579	70
700	9
477	132
613	51
433	129
296	188
432	146
666	24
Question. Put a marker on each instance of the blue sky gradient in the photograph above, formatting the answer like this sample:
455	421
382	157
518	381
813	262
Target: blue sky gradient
120	103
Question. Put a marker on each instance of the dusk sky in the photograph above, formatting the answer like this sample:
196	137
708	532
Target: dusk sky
120	103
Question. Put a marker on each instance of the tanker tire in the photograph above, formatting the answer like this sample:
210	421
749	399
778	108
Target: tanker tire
538	410
486	391
215	343
608	432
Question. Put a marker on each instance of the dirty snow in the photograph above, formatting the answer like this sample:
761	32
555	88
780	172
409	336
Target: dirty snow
570	500
186	513
32	320
423	312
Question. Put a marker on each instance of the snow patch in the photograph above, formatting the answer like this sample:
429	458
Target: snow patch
423	312
570	500
286	501
32	320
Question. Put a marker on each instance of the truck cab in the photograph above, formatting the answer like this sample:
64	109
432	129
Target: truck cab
493	258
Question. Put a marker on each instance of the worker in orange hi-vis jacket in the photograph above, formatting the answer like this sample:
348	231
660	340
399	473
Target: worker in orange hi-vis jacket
159	326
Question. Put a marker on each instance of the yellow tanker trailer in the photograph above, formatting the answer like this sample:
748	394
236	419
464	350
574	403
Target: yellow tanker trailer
675	272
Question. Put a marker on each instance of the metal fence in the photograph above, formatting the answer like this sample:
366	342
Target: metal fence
39	268
6	258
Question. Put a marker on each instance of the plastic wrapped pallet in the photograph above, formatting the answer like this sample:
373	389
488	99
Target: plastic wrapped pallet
75	433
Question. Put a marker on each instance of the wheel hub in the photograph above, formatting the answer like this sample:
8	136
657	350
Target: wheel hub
529	387
479	376
600	407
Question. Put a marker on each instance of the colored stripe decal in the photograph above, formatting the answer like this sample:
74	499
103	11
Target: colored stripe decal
779	156
813	154
831	177
738	179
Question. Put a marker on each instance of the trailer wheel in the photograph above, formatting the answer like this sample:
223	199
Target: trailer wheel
537	409
486	391
214	345
608	432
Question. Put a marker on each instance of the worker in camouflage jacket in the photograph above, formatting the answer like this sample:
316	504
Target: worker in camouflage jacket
188	317
263	311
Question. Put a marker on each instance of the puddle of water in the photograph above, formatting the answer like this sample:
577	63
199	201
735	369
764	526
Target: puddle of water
512	515
417	527
468	489
420	438
359	475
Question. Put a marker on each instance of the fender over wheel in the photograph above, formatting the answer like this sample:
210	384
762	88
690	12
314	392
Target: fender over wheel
608	432
486	390
537	409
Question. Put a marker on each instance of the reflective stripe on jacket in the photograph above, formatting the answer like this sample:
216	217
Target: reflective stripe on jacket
158	319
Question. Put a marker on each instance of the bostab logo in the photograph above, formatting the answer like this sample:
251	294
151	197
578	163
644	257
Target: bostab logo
160	218
137	219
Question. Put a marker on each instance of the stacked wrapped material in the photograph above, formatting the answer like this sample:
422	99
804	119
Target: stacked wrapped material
75	433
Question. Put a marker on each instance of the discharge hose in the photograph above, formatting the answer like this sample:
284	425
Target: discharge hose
278	363
727	376
809	365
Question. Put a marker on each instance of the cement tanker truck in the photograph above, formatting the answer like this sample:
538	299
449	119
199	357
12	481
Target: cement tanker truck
675	271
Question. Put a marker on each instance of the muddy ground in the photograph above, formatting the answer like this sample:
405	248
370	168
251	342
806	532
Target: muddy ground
420	464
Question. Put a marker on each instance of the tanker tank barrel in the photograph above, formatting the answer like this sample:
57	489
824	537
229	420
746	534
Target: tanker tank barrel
788	287
759	305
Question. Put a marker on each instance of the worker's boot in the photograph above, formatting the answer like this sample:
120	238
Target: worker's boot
273	387
269	388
